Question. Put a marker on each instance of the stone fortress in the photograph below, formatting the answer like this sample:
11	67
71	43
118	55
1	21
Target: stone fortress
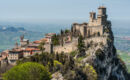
93	31
95	26
96	31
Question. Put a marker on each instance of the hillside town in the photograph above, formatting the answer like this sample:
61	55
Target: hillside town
95	30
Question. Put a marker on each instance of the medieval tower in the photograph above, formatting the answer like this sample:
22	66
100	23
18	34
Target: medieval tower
94	27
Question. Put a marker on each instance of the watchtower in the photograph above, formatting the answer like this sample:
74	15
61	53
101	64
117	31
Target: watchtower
92	16
102	16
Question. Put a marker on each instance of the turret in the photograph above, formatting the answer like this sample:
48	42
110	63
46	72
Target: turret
102	16
92	16
21	38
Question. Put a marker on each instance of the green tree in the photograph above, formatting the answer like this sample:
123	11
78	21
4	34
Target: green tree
27	71
67	31
55	40
81	44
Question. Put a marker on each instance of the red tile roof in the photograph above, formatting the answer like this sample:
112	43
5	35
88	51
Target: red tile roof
31	49
37	42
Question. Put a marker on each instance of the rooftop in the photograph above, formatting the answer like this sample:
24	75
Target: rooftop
101	7
31	49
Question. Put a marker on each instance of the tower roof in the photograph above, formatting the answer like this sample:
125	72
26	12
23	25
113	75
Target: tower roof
102	7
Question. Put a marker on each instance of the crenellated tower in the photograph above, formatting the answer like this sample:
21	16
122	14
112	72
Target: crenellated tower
102	16
92	16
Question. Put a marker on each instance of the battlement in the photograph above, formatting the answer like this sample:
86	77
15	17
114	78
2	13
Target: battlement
101	18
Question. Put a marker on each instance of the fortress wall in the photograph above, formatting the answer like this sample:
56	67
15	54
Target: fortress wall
95	29
93	23
77	27
68	47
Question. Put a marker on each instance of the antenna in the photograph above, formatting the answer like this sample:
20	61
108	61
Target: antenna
101	3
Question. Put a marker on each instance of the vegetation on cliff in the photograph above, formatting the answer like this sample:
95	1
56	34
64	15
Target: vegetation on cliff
64	64
55	40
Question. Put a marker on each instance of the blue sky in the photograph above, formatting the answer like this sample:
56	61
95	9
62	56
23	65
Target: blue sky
60	10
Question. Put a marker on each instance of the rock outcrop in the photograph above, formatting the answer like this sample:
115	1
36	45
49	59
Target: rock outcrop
101	56
104	58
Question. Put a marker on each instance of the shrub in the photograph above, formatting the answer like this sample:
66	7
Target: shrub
73	53
90	72
27	71
57	65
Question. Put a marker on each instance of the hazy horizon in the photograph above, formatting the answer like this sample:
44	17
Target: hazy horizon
48	11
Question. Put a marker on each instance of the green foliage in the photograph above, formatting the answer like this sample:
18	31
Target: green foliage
67	31
122	62
57	63
55	40
90	72
79	59
53	62
125	57
73	53
27	71
81	44
63	63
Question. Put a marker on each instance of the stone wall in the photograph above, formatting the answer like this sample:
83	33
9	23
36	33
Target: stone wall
71	46
68	47
91	30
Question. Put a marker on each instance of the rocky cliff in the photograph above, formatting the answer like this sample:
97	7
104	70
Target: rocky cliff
100	52
94	59
105	60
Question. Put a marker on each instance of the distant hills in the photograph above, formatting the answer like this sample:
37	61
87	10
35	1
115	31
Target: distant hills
11	29
9	35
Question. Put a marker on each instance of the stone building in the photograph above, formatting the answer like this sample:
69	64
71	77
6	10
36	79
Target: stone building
14	55
93	31
95	26
23	42
30	51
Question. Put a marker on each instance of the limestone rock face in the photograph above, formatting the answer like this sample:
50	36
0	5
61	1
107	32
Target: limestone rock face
57	76
105	60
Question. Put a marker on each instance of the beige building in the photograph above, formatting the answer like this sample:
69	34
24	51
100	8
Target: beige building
14	55
30	51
